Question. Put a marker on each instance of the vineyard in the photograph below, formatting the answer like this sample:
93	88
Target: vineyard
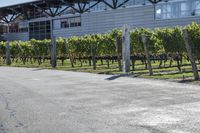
102	53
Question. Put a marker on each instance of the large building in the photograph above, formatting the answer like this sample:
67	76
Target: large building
102	17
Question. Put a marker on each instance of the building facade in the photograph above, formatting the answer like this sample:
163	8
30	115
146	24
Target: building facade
101	19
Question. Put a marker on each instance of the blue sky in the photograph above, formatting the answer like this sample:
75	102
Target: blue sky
12	2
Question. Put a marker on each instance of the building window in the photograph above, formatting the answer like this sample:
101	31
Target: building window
65	23
177	9
40	30
196	7
71	22
15	28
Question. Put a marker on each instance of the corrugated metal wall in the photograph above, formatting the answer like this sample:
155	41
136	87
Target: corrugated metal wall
103	21
140	16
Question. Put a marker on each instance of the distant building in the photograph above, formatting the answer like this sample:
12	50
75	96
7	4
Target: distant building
2	28
101	18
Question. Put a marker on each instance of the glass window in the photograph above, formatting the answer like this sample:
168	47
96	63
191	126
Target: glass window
39	30
196	7
16	28
184	9
70	22
177	9
64	23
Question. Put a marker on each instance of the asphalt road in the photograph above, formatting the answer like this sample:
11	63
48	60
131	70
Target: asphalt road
50	101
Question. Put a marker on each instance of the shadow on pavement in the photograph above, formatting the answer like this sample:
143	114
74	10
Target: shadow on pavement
119	76
152	129
38	69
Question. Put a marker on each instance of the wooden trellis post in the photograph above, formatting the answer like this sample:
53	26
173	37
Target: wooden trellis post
93	51
126	49
8	60
69	53
53	52
0	53
144	41
117	44
189	52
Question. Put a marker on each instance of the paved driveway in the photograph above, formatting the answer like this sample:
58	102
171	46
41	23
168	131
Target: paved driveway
50	101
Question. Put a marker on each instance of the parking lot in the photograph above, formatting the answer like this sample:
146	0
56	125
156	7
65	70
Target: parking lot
49	101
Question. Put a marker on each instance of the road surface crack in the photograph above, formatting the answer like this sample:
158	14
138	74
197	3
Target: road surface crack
12	114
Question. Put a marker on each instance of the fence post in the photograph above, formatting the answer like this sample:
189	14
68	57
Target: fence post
126	49
189	52
117	44
53	52
93	55
144	41
8	60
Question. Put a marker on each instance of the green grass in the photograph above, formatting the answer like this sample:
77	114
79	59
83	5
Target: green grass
166	72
